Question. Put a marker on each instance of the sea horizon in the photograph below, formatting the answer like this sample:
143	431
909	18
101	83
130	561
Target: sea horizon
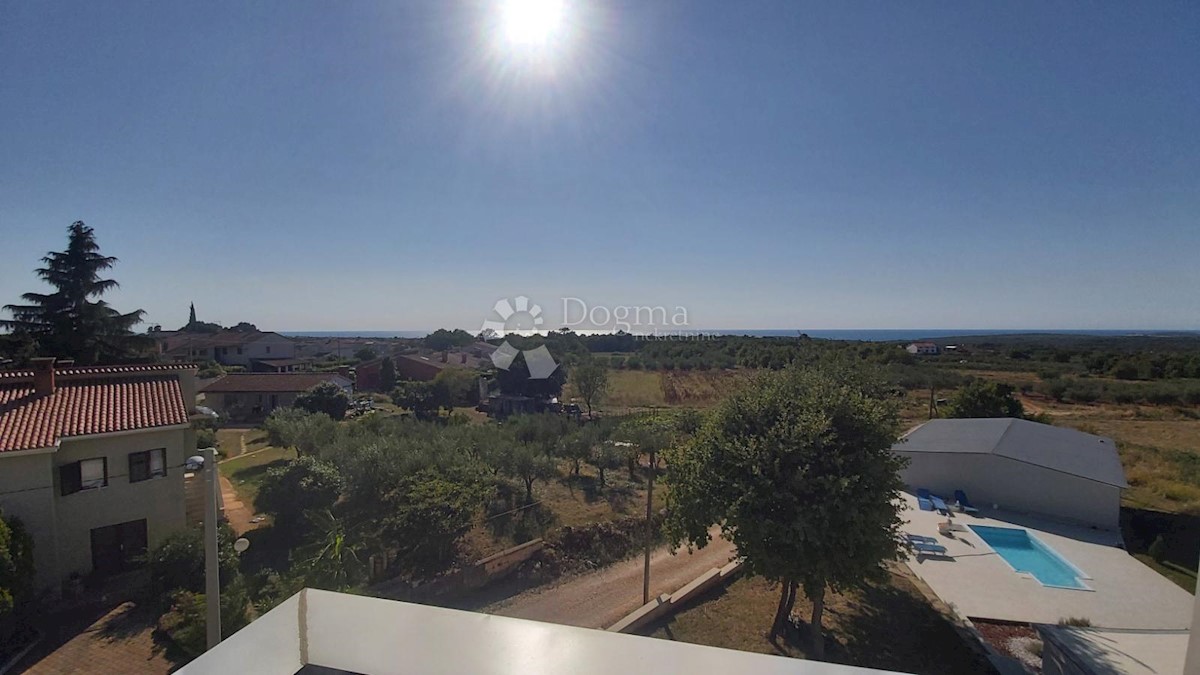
858	334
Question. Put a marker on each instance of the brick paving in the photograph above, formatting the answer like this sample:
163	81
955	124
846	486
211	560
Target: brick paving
119	642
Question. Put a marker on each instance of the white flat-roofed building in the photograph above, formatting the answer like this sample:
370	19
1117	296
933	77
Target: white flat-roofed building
323	632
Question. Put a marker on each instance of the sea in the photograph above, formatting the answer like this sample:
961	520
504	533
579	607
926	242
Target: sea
868	335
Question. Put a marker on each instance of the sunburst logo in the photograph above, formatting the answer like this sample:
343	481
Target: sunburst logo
518	314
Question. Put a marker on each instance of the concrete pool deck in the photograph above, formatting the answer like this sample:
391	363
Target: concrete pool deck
978	583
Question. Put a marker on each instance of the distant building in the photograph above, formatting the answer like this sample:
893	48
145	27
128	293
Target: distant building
923	349
280	365
228	348
250	397
92	462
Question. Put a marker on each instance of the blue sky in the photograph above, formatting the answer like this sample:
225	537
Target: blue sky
377	165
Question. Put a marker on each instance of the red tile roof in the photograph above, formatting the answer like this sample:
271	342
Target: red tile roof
270	382
88	401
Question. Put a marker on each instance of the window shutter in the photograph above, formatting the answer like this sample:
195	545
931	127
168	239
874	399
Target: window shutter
139	466
68	475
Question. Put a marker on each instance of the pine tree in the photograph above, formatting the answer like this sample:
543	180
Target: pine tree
191	315
72	321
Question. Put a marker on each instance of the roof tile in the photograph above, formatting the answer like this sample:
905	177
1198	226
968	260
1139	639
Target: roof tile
88	401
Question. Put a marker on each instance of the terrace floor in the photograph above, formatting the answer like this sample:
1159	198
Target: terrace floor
976	582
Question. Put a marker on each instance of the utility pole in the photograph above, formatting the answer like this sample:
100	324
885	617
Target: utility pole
932	402
649	526
212	567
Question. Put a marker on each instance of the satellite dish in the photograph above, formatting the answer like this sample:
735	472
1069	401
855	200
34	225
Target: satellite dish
241	544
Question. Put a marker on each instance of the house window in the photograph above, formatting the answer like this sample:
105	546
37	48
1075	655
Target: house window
147	464
268	349
239	351
86	474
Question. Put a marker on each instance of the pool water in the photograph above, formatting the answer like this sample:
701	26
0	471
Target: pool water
1025	553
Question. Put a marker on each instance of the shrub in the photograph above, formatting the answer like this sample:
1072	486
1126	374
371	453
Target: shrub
177	563
326	398
290	492
185	623
16	575
1078	622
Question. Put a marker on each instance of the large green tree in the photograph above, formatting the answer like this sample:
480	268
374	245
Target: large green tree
985	399
798	472
297	491
73	321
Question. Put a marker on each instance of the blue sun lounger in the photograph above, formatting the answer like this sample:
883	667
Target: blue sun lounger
924	546
923	501
939	504
964	504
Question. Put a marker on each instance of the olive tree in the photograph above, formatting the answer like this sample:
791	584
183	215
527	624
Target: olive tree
797	471
591	381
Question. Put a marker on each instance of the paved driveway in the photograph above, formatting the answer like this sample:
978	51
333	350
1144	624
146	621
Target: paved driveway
118	642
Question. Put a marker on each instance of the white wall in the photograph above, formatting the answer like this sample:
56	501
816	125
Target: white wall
159	500
27	492
1016	486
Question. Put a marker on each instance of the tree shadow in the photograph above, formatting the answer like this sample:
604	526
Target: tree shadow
507	516
897	630
1180	533
257	470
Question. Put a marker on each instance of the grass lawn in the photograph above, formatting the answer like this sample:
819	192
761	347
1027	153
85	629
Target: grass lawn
889	627
233	442
247	472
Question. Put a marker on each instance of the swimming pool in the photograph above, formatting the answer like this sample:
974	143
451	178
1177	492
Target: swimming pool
1026	553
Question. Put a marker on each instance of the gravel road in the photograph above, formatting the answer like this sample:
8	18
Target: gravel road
599	599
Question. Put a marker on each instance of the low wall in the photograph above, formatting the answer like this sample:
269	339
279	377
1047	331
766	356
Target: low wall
473	576
667	604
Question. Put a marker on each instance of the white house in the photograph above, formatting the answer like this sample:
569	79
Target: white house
91	462
230	348
1020	466
923	349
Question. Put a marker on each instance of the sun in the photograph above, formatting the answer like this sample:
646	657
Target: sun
531	24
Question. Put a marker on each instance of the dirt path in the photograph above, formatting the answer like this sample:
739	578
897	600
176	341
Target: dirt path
599	599
237	513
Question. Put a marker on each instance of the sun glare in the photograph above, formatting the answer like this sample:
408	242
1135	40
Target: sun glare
531	23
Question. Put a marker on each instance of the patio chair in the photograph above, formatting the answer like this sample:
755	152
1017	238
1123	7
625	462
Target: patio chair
964	504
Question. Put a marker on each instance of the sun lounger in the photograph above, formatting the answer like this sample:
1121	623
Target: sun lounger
922	493
924	504
921	539
964	504
922	547
939	504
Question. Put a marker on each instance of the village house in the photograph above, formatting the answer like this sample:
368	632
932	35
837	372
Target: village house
422	367
923	349
250	397
92	463
227	347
